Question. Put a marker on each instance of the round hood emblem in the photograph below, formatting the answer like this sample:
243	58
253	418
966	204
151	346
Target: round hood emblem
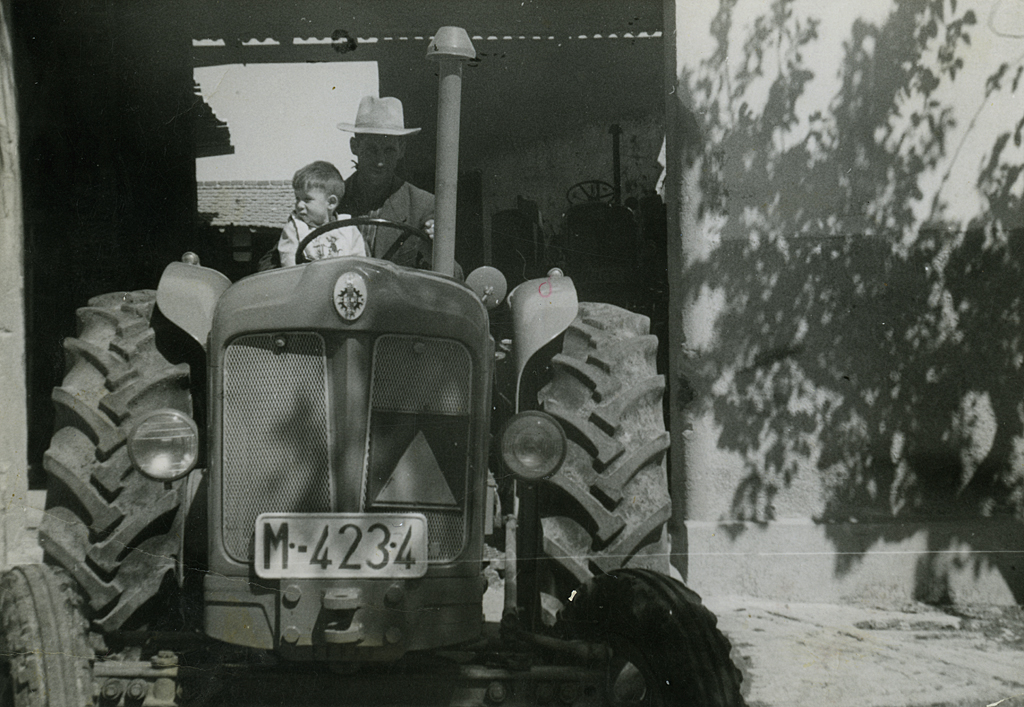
350	295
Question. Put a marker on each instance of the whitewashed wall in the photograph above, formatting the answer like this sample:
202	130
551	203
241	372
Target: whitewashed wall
846	179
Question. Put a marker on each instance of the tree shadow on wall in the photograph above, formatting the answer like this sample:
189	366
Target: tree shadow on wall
853	344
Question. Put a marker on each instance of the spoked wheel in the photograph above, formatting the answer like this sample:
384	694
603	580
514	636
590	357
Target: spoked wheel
665	646
44	655
590	191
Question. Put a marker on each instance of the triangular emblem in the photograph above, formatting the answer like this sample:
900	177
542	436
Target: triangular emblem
417	478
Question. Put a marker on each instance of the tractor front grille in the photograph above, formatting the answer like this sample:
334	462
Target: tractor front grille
275	443
446	531
420	400
417	374
278	442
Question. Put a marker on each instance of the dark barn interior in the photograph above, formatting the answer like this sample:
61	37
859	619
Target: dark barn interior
110	123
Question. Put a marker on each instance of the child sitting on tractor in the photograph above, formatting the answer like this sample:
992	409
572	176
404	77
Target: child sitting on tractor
318	190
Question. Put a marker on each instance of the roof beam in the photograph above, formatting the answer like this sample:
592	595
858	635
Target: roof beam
245	19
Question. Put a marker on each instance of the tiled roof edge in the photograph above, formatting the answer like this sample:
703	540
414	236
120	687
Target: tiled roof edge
247	183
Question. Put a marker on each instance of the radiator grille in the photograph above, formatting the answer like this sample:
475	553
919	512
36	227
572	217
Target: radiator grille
413	374
276	439
275	446
421	395
445	531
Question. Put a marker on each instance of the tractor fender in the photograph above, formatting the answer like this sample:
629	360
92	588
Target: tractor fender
541	310
188	295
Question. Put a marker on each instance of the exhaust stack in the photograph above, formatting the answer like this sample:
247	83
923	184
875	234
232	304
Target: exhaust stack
450	47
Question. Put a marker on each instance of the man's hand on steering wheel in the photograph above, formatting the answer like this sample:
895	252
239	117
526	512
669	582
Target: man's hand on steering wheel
407	233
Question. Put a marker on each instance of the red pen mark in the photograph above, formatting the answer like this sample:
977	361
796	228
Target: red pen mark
541	288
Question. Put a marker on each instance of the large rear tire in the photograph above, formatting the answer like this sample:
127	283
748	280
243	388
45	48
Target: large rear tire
45	659
612	503
116	531
665	646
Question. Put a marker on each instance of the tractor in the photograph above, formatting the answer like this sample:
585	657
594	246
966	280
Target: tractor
302	487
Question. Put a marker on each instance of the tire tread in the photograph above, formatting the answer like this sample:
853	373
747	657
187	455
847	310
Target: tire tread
126	524
607	394
43	638
677	636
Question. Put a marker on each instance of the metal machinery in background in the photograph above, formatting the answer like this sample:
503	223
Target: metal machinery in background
277	491
615	250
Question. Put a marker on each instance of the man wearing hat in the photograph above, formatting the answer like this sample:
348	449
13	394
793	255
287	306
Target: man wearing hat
376	190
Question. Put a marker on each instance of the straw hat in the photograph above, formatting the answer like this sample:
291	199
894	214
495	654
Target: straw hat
379	116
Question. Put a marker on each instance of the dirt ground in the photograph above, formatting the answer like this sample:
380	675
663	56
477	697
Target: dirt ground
795	654
915	655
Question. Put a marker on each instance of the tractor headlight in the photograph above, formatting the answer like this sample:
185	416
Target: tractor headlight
164	445
532	446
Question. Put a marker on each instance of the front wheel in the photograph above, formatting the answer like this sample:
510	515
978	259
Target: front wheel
111	527
665	646
44	655
608	505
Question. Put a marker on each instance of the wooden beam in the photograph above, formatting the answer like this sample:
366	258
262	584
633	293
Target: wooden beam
246	19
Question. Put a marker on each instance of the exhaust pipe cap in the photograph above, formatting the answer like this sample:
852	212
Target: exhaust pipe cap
451	42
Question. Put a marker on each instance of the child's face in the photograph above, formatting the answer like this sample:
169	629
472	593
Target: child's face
315	206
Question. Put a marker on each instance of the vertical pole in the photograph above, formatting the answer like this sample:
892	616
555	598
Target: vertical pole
616	130
511	566
449	103
450	47
689	244
13	398
675	200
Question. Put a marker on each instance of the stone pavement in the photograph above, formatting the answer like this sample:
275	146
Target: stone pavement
795	654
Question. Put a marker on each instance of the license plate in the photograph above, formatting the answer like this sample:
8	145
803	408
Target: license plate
340	545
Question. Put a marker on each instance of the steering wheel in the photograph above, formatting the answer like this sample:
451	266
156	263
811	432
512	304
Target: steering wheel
592	190
407	233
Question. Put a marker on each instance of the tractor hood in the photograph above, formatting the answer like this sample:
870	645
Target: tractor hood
354	294
190	295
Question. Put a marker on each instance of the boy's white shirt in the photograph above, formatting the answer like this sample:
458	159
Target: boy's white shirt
344	240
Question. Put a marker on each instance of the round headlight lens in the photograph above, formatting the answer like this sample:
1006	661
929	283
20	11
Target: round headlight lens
164	445
533	445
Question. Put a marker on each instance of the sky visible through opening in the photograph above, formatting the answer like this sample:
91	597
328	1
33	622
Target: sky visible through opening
283	116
